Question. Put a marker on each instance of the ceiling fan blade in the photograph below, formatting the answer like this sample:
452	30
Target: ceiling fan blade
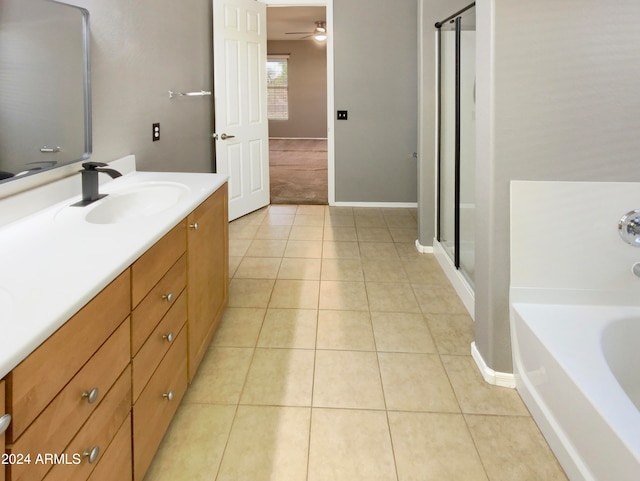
298	33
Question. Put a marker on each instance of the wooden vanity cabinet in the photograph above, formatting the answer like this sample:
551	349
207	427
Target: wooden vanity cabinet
157	404
159	342
207	272
102	390
60	393
116	463
97	434
2	413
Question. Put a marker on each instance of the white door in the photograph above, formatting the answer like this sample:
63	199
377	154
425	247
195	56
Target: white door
241	125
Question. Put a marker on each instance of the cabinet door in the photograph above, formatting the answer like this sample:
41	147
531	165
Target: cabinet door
207	272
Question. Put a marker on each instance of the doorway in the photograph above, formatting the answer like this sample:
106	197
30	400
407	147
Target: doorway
327	5
297	104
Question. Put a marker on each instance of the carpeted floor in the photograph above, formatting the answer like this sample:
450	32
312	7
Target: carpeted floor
298	171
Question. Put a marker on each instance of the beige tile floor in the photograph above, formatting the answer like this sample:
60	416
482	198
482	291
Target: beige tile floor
344	355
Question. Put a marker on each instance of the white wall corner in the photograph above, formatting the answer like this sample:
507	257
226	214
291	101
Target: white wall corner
423	249
502	379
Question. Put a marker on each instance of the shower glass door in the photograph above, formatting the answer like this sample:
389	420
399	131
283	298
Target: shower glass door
447	140
456	141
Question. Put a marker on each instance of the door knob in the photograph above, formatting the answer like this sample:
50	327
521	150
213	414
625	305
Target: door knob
223	136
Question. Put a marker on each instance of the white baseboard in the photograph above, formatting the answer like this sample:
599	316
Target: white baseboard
503	379
386	205
460	284
423	249
297	138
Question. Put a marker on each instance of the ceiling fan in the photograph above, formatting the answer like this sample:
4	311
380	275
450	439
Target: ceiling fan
320	32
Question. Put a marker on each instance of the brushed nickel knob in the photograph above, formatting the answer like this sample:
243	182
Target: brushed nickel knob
168	395
91	454
194	226
4	422
168	337
91	396
168	297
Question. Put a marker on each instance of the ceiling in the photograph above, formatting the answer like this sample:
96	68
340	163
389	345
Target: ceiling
292	19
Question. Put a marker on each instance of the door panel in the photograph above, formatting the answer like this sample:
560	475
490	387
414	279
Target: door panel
256	150
234	169
240	45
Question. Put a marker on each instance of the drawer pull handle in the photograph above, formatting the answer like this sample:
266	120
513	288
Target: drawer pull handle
194	226
92	454
168	297
168	337
4	423
168	395
91	396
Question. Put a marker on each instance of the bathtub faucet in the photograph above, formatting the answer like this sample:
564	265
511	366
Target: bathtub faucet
629	228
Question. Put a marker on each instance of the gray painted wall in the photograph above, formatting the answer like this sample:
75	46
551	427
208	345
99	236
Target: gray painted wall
376	82
307	89
142	49
558	100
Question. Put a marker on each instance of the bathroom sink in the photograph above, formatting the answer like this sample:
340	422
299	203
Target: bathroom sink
136	202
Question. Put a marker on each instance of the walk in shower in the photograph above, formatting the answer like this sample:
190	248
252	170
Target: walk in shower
456	152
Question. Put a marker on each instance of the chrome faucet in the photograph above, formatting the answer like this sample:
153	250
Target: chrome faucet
90	173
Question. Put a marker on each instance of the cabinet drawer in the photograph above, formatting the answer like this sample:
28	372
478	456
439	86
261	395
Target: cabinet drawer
159	342
60	421
153	412
116	461
37	379
153	264
98	432
162	296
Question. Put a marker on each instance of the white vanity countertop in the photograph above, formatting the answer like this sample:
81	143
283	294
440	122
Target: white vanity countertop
54	262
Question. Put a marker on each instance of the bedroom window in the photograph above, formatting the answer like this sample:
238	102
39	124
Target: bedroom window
278	87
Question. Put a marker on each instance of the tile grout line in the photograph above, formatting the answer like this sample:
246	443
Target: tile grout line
315	351
244	384
384	395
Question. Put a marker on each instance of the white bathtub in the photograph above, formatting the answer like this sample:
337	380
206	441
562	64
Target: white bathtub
577	368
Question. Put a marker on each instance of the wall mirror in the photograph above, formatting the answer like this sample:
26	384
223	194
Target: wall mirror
45	95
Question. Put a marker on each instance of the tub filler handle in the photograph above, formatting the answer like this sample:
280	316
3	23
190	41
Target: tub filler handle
629	227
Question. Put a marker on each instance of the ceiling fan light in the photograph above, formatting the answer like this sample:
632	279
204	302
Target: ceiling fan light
320	32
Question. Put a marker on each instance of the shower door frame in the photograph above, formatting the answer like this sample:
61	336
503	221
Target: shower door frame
456	17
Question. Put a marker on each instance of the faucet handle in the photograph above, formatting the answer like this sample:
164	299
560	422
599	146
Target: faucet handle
629	227
93	165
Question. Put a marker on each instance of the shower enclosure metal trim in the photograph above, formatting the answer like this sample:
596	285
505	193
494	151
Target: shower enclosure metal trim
455	18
